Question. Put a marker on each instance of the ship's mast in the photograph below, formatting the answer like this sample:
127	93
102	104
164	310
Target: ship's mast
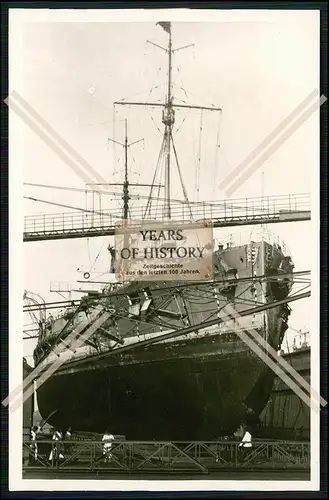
126	196
168	119
126	183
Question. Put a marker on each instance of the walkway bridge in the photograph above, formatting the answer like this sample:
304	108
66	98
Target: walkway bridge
226	213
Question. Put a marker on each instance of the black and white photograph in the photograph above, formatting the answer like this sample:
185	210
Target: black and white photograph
164	307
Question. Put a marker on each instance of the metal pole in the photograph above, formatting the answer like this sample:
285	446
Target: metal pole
168	130
126	182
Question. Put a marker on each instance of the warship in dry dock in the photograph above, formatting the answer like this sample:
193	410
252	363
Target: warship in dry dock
194	382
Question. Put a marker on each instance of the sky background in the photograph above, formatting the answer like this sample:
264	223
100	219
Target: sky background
72	72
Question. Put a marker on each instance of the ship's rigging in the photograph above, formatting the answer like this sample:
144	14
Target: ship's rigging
167	148
168	119
35	303
125	184
160	313
299	277
169	106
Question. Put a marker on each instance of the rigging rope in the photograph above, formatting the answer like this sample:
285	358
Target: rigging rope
148	204
88	246
153	87
91	268
68	206
211	203
216	152
182	100
183	121
158	199
156	126
113	143
197	172
181	79
140	93
180	176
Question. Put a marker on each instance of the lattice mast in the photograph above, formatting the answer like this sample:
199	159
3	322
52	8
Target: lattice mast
168	119
126	183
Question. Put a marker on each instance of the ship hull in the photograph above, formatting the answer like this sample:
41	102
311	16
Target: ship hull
169	399
199	386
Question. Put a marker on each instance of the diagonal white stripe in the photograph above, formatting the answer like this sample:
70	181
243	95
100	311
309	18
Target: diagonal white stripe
60	361
59	349
273	148
266	142
281	361
52	138
228	309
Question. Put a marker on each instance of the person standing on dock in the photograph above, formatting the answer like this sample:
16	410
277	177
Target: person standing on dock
68	434
34	431
68	437
246	443
107	446
56	451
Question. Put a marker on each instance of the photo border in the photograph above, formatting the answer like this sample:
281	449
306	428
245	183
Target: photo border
323	229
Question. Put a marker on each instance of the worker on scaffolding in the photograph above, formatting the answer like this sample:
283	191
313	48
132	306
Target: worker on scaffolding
246	445
68	434
68	437
107	446
34	446
56	449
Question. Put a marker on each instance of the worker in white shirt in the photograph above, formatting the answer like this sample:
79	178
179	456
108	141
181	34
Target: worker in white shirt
246	443
56	451
34	431
68	433
107	446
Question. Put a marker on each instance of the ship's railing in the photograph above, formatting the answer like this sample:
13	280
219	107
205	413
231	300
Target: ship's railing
237	239
226	210
60	286
169	456
299	341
